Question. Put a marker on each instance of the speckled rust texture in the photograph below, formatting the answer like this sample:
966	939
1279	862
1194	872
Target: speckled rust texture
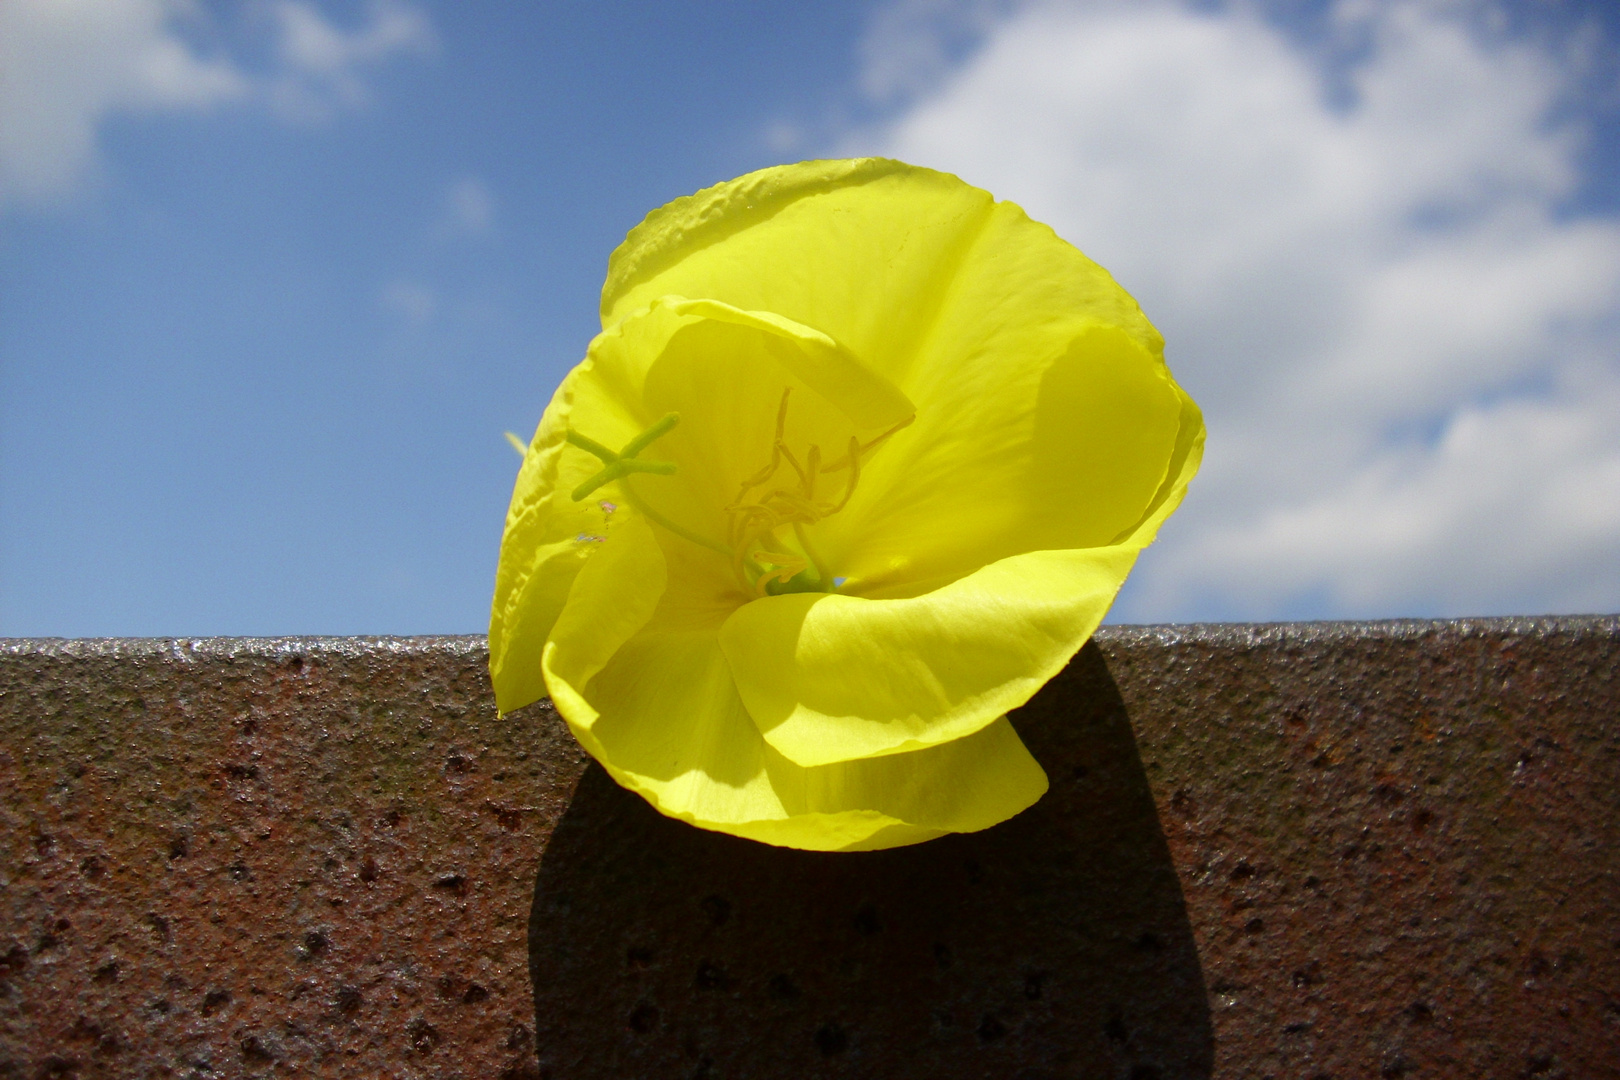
1399	842
1329	850
243	858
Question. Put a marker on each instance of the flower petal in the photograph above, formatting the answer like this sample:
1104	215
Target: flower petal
647	689
668	724
1068	452
871	402
723	371
868	251
1184	461
614	595
831	678
862	250
547	539
1041	395
965	785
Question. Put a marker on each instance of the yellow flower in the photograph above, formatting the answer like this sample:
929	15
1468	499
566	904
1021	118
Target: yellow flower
857	463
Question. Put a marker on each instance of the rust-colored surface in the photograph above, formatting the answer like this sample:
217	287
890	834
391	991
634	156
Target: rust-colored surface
1399	842
245	858
1330	850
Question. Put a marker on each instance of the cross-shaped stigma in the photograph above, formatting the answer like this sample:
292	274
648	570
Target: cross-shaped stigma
616	466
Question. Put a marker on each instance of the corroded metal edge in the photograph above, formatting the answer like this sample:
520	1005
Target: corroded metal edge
1327	631
1224	634
1323	849
184	648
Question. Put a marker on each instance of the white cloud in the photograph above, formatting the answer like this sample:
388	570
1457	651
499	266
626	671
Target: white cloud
322	64
1515	508
783	138
66	65
911	46
1405	349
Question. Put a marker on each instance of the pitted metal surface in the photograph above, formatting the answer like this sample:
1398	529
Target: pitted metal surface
1317	850
244	858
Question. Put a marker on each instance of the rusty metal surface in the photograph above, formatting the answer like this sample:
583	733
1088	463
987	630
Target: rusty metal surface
244	858
1320	850
1399	842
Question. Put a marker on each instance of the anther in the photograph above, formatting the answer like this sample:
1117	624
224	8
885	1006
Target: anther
755	519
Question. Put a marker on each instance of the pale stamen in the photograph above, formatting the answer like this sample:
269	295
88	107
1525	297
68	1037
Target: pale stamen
754	522
759	558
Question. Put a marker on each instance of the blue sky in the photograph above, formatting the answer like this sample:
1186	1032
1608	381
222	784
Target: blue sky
275	277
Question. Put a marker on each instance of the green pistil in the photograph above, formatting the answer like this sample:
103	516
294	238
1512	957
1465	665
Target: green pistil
616	466
823	578
648	437
619	466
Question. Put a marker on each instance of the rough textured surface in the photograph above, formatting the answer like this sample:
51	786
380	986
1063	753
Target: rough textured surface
1329	850
239	858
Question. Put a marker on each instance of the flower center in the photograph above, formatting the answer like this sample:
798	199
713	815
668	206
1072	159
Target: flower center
768	503
765	561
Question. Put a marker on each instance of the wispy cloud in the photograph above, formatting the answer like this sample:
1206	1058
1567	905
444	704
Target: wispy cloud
1370	277
911	47
67	65
323	66
411	301
469	208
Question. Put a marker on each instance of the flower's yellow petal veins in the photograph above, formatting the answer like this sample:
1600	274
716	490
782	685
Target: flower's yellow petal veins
1062	455
817	243
872	402
963	785
833	678
664	717
674	232
541	552
1185	458
1017	296
1042	401
614	595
